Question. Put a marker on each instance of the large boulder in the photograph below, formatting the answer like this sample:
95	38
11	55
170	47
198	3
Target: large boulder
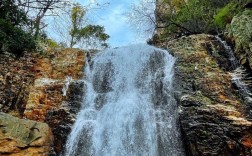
24	137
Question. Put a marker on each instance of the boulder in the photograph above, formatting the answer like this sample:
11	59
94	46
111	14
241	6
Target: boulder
24	137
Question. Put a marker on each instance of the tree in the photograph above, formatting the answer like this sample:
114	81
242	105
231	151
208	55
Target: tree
38	9
149	15
142	16
74	29
89	36
77	18
176	17
13	37
92	36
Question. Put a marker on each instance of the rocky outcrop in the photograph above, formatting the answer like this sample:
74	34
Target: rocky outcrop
52	96
61	119
16	77
212	117
44	88
19	137
240	31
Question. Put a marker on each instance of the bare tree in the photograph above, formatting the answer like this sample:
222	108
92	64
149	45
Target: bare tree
149	15
142	16
38	9
66	32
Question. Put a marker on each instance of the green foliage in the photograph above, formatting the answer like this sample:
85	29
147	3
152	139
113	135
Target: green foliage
51	43
225	15
88	35
91	33
11	13
77	18
12	22
194	16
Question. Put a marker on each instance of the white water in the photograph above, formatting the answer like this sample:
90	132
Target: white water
238	74
128	108
234	62
66	85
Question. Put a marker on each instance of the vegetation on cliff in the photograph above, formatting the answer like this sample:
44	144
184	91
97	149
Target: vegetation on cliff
13	24
178	17
22	25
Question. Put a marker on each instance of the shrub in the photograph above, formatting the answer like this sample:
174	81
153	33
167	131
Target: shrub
225	15
191	16
13	21
14	39
51	43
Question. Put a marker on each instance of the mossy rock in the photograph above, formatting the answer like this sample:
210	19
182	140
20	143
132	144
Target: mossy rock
240	30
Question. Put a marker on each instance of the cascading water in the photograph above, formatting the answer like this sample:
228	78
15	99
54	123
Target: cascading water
128	107
238	73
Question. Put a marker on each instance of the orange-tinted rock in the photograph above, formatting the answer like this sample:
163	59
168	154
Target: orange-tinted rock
31	87
247	140
47	94
19	137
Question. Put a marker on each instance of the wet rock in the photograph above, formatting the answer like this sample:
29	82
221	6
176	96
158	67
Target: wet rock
49	101
102	80
62	118
212	116
24	137
100	101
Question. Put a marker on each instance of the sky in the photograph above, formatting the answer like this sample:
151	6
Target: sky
113	16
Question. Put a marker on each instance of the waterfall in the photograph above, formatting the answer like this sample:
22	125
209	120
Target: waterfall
128	107
238	74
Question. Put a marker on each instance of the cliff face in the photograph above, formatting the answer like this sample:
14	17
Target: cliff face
212	116
44	89
215	119
16	77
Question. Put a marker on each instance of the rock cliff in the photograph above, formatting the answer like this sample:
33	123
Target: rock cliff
215	117
44	89
212	115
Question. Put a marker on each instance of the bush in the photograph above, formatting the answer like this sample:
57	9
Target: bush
192	16
14	39
13	21
51	43
225	15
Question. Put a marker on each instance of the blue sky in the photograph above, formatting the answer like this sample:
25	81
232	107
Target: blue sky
113	18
